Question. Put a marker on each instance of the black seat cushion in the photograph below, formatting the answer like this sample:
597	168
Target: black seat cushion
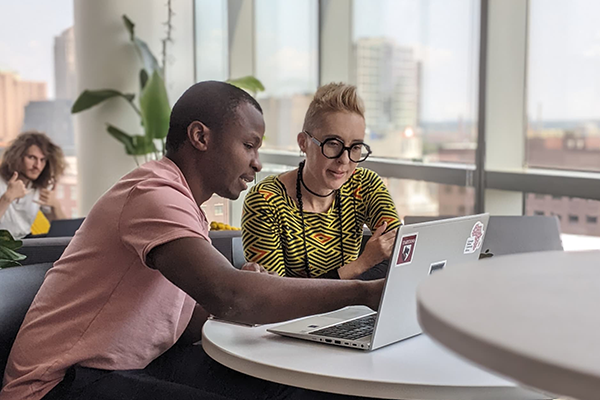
18	287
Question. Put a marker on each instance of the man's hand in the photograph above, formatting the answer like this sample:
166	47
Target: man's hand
48	198
16	189
252	266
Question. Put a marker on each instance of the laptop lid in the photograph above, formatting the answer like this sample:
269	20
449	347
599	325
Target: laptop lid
511	234
419	250
64	227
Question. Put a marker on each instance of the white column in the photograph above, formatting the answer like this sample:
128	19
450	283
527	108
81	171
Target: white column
240	17
106	60
505	98
335	37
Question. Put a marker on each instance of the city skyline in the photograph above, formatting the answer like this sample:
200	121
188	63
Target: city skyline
434	28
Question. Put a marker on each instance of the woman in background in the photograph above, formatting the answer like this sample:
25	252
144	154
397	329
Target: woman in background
309	222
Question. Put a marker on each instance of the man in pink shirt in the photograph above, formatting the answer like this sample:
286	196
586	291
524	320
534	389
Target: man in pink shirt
115	316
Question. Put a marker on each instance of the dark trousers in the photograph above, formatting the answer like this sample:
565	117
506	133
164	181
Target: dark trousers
183	372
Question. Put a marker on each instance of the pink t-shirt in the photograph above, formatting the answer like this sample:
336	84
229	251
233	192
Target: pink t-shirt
100	306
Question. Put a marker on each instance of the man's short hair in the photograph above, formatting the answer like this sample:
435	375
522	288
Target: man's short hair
211	102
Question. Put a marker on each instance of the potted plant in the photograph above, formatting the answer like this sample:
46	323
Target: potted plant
152	104
8	254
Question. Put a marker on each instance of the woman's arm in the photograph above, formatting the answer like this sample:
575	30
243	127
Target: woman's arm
260	234
382	219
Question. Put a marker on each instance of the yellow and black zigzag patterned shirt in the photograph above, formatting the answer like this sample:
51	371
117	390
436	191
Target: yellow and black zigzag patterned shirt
272	230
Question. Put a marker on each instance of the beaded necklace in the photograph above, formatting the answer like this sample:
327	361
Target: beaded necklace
338	200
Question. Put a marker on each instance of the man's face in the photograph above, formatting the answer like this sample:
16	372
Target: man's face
34	162
236	152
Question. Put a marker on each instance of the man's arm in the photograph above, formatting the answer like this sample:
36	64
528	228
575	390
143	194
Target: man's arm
244	296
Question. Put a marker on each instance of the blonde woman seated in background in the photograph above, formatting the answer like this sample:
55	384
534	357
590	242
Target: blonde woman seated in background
309	222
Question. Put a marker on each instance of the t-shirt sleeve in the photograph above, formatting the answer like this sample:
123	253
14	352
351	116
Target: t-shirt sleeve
156	213
380	207
260	236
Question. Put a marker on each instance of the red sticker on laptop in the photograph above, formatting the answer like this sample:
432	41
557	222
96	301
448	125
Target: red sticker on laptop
408	243
476	239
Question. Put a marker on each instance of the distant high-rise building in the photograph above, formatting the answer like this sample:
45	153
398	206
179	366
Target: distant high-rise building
53	117
284	117
15	94
387	77
64	65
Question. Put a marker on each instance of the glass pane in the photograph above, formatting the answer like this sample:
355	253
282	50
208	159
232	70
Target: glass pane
416	69
287	65
564	85
211	40
579	218
37	80
419	198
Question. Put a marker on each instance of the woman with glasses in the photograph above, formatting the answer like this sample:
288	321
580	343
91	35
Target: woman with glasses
309	222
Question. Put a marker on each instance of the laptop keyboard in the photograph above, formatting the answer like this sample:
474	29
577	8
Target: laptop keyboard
351	330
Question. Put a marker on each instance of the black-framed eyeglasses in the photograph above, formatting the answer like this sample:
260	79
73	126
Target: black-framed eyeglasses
334	148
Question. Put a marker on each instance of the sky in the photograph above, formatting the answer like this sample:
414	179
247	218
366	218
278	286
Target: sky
564	60
27	31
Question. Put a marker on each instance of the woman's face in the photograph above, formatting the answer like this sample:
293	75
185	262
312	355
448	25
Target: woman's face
321	173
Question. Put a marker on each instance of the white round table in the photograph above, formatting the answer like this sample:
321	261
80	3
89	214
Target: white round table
416	368
532	317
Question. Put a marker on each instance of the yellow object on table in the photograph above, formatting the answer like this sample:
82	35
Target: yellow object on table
40	225
220	226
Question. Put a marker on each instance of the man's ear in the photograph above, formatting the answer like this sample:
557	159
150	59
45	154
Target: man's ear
199	135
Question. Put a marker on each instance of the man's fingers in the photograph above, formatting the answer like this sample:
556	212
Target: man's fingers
14	177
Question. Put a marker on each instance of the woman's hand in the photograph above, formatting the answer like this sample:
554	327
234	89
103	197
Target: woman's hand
252	266
379	247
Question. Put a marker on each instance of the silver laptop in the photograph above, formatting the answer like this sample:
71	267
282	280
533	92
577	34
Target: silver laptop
512	234
419	250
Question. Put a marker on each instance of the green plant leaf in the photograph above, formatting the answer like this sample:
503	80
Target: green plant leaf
143	79
135	145
122	137
11	255
249	83
7	240
130	26
143	145
9	264
155	108
144	52
90	98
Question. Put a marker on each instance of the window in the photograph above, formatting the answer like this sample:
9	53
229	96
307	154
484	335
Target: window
564	85
418	198
573	218
218	210
287	65
538	213
37	78
416	69
591	219
211	40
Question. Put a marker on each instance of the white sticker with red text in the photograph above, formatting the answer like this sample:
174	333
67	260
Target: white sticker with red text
474	241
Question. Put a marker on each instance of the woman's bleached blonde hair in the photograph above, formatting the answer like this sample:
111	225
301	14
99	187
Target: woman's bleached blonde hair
331	98
12	159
